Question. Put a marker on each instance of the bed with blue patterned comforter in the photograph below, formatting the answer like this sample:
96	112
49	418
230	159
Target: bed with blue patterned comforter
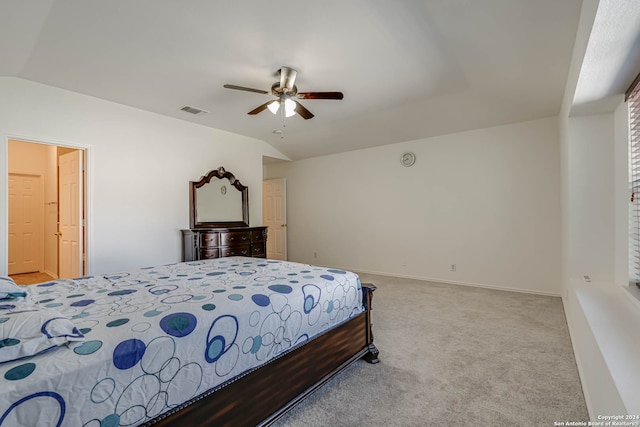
123	349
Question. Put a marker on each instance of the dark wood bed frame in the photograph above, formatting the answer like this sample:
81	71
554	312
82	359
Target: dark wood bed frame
265	394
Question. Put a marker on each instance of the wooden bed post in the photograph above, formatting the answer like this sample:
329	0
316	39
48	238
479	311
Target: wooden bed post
367	298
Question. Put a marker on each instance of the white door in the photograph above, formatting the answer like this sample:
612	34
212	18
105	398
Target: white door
26	226
274	211
70	214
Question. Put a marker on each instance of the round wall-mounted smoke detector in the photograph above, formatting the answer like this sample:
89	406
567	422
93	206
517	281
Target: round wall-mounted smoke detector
407	159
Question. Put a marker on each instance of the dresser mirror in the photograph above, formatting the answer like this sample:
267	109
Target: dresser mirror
218	199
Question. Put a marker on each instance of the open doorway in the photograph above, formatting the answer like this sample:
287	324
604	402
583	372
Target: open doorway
46	232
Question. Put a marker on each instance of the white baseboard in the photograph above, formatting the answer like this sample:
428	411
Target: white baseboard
451	282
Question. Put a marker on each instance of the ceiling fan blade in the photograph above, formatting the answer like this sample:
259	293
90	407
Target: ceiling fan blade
320	95
287	77
248	89
260	108
304	113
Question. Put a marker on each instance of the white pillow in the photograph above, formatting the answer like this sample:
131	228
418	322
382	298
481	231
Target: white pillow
9	289
28	329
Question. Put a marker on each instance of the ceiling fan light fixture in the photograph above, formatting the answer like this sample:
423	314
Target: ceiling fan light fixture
289	107
273	106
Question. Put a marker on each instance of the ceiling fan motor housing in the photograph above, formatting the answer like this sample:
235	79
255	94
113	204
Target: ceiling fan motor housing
278	91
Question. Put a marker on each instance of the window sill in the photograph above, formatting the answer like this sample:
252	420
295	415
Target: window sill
604	323
633	291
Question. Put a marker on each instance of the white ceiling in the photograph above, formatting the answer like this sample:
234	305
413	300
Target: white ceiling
612	57
408	68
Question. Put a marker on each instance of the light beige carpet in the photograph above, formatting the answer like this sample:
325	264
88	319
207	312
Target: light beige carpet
455	356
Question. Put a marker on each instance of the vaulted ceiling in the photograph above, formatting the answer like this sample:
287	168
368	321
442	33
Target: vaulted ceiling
408	69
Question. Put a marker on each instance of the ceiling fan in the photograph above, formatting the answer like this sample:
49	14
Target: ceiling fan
287	95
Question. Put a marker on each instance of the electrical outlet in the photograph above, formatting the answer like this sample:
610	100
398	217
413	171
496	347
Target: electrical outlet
453	267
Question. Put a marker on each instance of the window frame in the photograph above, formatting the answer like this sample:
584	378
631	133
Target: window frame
632	98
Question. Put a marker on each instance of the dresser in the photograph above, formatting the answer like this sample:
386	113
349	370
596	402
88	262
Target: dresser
209	243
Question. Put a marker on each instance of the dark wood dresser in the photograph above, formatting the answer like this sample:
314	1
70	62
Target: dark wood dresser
209	243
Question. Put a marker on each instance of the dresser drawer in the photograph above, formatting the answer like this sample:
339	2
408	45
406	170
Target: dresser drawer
258	235
209	253
257	250
239	250
209	239
232	238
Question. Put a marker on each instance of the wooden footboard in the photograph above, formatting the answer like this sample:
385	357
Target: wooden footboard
265	394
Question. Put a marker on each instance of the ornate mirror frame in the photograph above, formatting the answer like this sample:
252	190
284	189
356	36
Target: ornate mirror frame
219	173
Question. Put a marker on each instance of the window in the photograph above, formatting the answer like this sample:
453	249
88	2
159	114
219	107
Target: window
633	99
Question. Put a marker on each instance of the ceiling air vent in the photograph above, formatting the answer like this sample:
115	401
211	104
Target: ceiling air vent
193	110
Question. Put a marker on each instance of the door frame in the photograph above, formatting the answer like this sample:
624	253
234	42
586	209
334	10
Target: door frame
4	195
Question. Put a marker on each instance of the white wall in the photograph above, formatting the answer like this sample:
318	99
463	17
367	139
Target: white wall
139	168
591	197
621	194
487	200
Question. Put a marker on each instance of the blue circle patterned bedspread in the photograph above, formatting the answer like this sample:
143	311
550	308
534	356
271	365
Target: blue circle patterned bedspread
140	343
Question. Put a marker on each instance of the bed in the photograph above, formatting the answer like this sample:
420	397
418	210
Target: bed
228	341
